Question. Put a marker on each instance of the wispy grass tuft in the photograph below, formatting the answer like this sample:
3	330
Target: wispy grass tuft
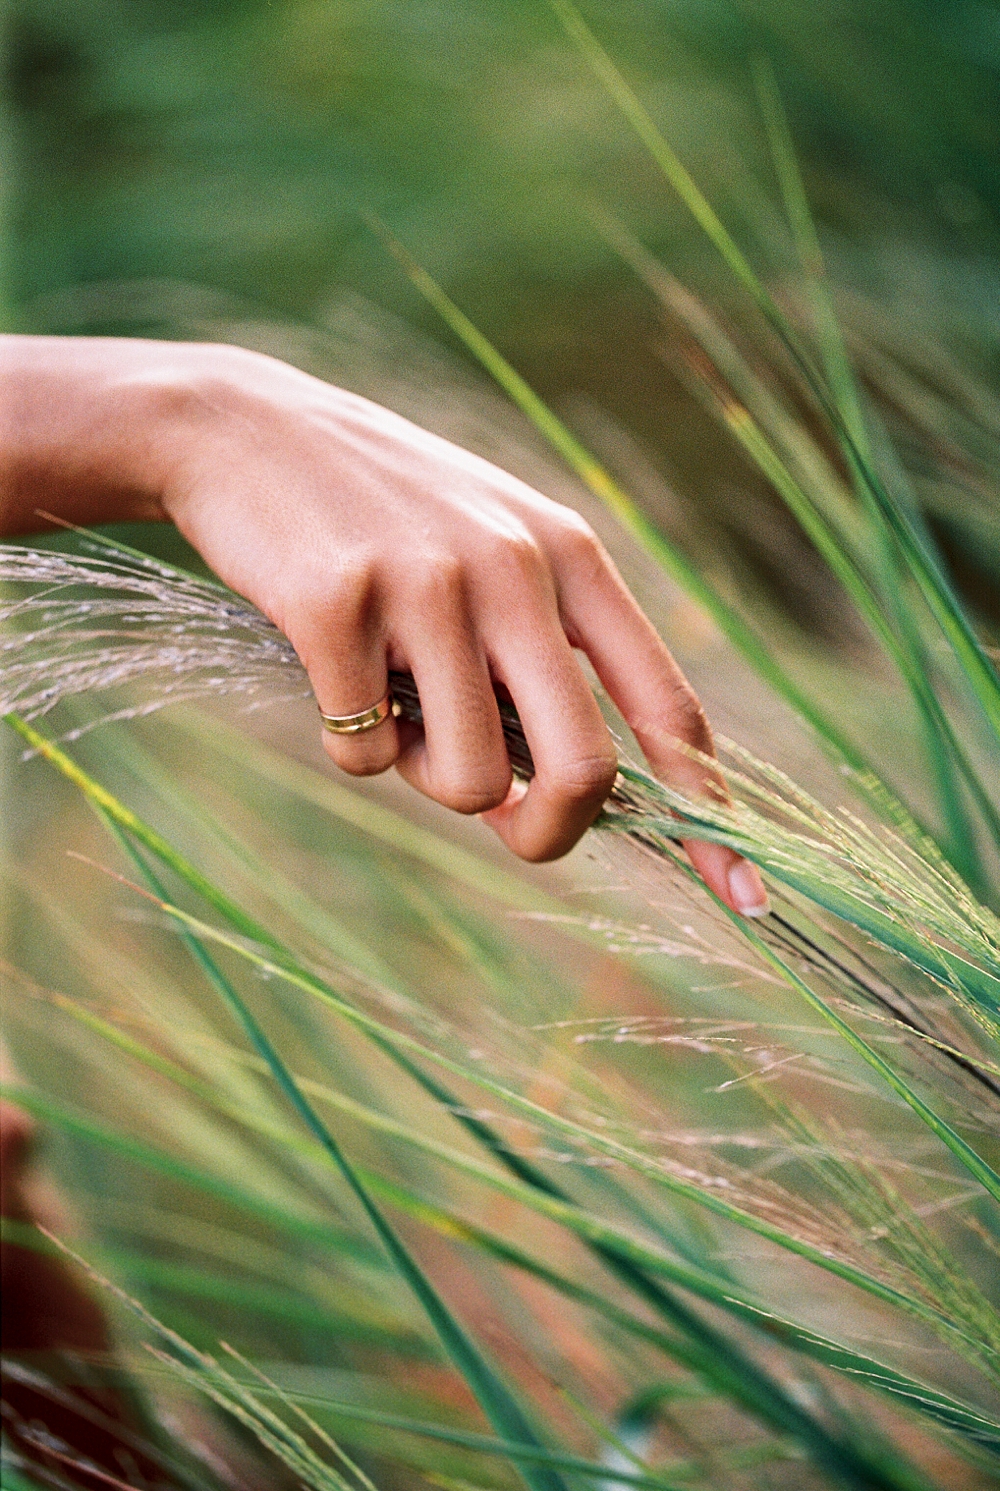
481	1182
906	1278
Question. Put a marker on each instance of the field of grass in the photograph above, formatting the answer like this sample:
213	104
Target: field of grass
395	1162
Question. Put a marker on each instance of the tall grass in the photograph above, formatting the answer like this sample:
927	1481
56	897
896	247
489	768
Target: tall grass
419	1169
908	957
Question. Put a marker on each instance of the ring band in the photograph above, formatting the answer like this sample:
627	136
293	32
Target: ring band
354	724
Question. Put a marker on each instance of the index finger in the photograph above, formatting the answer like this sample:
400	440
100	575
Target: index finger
603	618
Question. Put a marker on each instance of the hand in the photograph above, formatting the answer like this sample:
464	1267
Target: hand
374	545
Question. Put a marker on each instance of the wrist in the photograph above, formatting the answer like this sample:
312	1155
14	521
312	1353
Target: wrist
205	405
101	430
71	437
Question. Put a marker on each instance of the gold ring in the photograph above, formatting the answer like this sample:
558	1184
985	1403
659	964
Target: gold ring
353	724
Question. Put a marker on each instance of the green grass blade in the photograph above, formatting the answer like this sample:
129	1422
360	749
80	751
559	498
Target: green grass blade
377	821
118	813
427	848
979	671
718	1359
495	1399
836	365
302	979
603	486
665	156
289	1448
212	1287
484	1444
324	1438
970	1422
802	448
815	501
160	1162
471	1441
844	392
696	1355
589	1228
939	962
202	1372
944	749
14	1480
678	176
285	967
702	1350
983	1173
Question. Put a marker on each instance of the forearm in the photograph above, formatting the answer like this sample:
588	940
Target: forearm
82	422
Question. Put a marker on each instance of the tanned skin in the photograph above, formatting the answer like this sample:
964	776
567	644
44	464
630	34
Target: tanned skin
373	545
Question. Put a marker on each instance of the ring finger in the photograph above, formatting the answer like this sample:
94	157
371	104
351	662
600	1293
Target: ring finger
351	678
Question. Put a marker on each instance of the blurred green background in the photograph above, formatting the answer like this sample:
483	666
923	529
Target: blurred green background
237	146
179	167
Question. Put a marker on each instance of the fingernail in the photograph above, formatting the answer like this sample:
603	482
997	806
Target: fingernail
746	889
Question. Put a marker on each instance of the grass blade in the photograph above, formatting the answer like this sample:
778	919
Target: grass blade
603	486
967	1156
585	1225
844	392
970	1422
495	1399
301	978
981	676
695	1356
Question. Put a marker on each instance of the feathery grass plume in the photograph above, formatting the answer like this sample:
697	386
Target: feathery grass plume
895	577
718	1200
893	1269
875	928
238	1401
880	923
109	615
892	884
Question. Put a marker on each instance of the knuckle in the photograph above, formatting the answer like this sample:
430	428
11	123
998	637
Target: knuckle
361	761
439	580
680	717
470	797
352	593
332	600
688	718
587	778
578	542
517	555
